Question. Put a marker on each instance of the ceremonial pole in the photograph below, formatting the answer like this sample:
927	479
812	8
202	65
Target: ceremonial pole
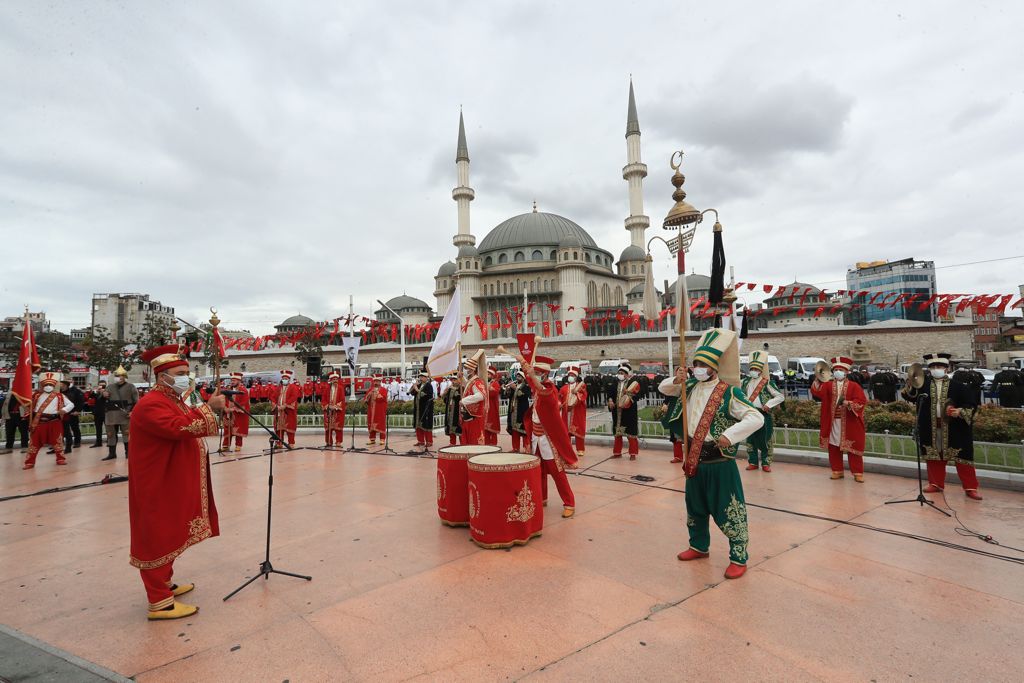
351	335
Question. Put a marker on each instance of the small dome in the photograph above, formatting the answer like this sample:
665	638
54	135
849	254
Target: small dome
695	283
468	250
297	321
633	253
446	270
571	240
403	302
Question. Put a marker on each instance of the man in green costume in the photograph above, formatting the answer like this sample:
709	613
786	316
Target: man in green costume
763	395
718	417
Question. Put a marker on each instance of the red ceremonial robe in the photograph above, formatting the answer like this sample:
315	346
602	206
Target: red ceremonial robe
307	389
285	419
239	420
548	408
851	415
473	429
377	409
576	416
493	423
170	499
333	397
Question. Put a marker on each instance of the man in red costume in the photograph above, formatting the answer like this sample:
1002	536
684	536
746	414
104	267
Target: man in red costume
493	424
333	401
551	441
842	419
376	411
475	396
574	407
236	421
307	390
46	419
170	499
286	407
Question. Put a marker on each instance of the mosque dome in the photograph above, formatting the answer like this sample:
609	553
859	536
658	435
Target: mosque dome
535	229
633	253
297	321
446	270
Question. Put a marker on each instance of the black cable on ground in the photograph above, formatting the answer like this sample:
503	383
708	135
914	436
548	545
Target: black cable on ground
963	529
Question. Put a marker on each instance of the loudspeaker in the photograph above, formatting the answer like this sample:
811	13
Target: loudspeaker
313	367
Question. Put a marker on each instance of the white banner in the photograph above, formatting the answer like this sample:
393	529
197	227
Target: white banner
444	352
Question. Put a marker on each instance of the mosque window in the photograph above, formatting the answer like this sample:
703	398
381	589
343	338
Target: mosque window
591	294
606	295
531	285
575	255
504	287
536	255
632	269
502	258
587	257
488	261
547	285
618	296
519	257
553	255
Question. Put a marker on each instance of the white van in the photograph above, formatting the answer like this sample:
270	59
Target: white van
774	367
610	367
562	370
803	366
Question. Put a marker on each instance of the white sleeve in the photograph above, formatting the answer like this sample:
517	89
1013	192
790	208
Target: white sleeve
668	388
750	420
472	399
777	397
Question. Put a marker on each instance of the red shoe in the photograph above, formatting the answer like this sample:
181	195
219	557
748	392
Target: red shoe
676	460
932	488
62	461
766	468
735	571
751	467
973	495
616	455
691	554
26	466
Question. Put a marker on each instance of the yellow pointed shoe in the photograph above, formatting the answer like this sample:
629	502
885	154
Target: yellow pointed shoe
859	478
837	475
568	512
179	611
182	588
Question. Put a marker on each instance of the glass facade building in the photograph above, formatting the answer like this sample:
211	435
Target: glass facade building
906	276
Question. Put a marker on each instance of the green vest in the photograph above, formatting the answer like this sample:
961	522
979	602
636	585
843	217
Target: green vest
722	420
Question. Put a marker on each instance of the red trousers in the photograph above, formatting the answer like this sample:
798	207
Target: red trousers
520	440
561	482
634	445
677	450
290	436
580	444
453	439
490	438
158	586
472	433
835	460
46	434
425	436
937	474
227	441
334	436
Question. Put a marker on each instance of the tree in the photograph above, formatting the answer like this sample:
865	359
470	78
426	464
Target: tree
308	347
55	351
103	351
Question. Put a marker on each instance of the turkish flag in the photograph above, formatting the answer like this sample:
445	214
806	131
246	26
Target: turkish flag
547	329
28	363
558	327
527	342
218	343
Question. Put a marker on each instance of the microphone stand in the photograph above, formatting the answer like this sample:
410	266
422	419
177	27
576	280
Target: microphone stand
387	432
920	481
266	568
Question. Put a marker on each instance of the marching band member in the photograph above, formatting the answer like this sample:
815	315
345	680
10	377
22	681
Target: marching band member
474	401
945	425
423	409
842	419
574	408
493	425
763	395
551	441
46	425
518	413
235	421
286	402
332	400
624	413
377	411
452	397
170	497
718	418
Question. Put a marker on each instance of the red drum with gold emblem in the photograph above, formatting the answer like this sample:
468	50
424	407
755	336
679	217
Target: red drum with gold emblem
453	482
505	503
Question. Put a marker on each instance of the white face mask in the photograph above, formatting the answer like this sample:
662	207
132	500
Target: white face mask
571	380
622	377
754	373
180	383
938	373
839	374
48	389
701	374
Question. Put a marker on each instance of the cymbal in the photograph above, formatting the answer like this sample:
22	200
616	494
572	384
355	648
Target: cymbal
822	371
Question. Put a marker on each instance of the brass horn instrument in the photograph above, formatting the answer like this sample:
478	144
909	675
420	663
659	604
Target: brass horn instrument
915	376
822	372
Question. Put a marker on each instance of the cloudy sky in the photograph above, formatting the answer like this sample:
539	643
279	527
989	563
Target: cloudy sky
274	158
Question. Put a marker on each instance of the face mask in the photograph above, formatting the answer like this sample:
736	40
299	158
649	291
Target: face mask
701	374
571	380
622	377
285	380
938	373
839	374
180	383
48	389
754	373
121	380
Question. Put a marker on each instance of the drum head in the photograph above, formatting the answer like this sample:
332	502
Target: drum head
466	452
501	459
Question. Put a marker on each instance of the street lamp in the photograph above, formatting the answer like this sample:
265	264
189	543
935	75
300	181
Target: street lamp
401	331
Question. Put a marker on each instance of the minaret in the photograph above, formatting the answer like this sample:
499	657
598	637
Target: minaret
634	173
463	194
468	262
